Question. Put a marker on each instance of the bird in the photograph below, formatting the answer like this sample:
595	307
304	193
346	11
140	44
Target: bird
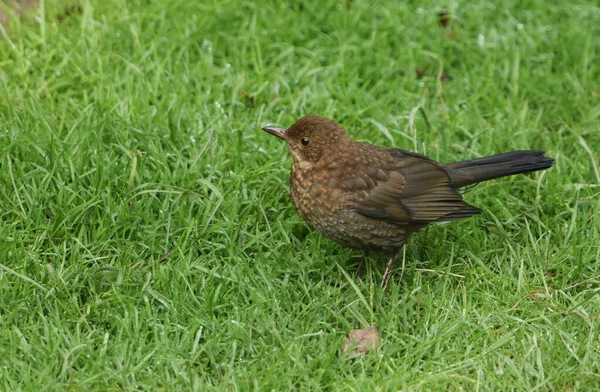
373	198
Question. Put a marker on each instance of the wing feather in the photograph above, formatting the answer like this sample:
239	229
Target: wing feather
410	189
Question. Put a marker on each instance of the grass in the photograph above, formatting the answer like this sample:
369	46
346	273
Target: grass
147	239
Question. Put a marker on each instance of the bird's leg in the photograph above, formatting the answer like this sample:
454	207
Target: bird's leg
360	267
388	270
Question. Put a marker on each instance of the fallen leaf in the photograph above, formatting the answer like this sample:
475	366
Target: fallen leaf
362	340
445	78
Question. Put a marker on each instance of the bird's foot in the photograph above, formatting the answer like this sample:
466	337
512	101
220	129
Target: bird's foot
386	278
359	269
388	271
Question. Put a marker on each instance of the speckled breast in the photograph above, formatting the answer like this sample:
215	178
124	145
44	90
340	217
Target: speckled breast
328	209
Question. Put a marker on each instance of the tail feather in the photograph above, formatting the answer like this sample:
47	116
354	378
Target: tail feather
482	169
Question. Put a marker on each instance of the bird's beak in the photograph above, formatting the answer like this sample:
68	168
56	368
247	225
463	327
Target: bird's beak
279	132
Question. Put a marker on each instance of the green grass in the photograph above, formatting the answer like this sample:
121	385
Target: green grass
147	239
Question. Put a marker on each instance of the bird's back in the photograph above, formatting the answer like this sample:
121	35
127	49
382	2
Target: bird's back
370	197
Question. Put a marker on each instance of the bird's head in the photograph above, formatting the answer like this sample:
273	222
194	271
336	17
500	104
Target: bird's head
311	138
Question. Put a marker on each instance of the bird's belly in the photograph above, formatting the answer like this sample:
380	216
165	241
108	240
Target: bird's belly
353	230
327	209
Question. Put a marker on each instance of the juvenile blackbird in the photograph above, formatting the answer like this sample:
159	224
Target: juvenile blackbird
373	198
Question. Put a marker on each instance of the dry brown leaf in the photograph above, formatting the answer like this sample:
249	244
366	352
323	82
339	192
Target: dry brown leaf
445	78
443	19
362	340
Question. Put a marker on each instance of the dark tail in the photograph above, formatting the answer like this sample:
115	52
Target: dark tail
482	169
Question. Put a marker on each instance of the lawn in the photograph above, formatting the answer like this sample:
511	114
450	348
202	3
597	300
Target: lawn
147	238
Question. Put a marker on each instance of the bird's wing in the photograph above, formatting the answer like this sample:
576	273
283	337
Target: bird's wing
410	188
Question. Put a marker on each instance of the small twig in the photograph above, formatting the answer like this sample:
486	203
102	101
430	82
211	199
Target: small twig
166	255
521	299
537	301
535	294
430	270
577	284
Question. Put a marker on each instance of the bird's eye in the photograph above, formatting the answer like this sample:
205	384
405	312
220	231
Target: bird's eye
305	141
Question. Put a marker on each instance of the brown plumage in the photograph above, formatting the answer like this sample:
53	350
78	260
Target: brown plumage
373	198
